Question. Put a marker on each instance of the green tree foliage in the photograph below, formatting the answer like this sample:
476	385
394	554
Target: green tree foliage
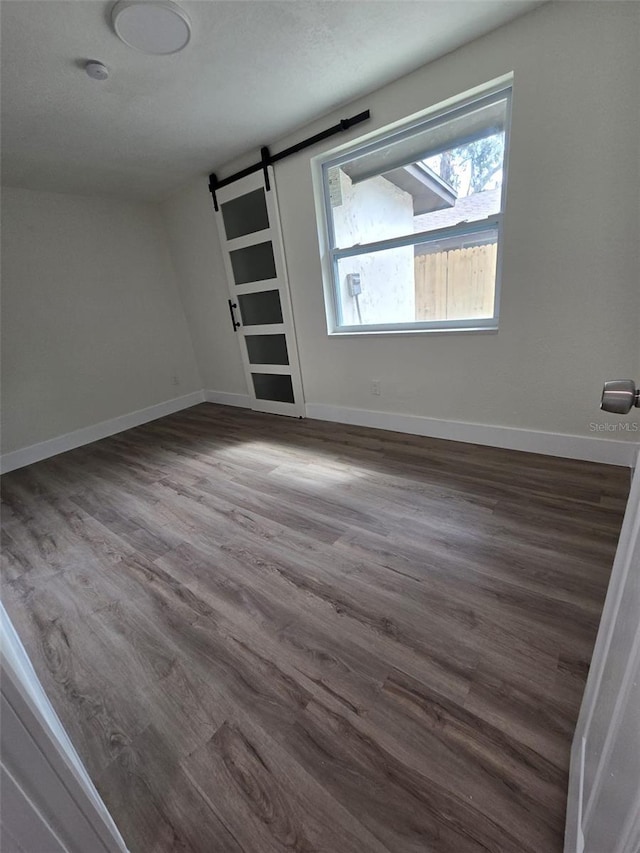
470	168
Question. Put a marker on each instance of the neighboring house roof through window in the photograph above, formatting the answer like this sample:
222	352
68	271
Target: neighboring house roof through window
468	209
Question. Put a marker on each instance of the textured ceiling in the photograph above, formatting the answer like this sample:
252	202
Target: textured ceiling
254	70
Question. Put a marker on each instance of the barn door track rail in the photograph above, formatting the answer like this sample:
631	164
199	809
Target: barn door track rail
267	159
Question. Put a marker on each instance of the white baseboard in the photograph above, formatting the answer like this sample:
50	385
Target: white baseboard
589	448
226	398
62	443
592	449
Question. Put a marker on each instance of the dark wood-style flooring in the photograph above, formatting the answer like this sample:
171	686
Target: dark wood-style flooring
272	635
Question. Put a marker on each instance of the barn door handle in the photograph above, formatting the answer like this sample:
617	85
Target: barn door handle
233	305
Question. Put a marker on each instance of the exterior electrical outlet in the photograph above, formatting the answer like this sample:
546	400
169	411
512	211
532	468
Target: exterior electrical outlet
353	282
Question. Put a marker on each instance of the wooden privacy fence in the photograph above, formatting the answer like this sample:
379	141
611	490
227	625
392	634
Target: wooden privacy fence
456	284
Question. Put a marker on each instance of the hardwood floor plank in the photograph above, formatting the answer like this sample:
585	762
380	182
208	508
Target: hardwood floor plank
545	725
160	807
271	803
517	774
74	669
260	604
265	634
403	808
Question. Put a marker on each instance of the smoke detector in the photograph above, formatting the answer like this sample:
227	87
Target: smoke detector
96	70
157	27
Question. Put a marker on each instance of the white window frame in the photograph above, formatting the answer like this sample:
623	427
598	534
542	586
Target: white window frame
332	254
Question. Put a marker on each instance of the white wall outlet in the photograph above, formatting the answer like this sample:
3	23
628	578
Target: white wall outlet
175	380
375	387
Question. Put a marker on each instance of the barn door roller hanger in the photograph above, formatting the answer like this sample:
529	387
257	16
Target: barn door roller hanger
268	159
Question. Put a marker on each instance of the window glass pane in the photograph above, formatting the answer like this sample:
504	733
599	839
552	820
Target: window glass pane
451	279
448	173
253	263
267	349
270	386
260	308
245	214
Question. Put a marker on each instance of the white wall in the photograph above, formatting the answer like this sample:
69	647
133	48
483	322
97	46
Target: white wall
571	302
193	240
93	327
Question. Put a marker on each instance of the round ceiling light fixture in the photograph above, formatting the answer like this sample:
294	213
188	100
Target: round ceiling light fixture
151	26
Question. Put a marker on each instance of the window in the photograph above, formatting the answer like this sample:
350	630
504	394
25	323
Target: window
414	223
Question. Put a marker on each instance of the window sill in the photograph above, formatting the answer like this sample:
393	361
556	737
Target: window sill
377	333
